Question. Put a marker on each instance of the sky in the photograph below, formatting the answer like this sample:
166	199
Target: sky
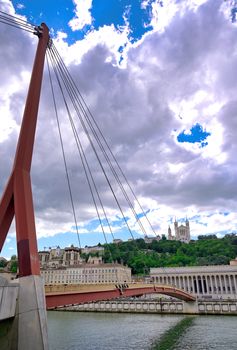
158	76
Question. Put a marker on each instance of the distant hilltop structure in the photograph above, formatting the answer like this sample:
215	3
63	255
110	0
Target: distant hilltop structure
181	233
150	239
55	257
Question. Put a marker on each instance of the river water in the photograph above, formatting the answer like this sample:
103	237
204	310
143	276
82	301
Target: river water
113	331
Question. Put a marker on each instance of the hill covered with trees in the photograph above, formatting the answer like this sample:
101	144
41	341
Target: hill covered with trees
140	256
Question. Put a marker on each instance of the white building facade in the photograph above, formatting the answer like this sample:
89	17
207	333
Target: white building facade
181	233
203	281
87	274
57	257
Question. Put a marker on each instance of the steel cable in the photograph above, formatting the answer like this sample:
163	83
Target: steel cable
63	153
16	22
84	159
79	146
97	156
115	174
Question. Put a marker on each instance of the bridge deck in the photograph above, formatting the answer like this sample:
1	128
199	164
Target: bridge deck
62	295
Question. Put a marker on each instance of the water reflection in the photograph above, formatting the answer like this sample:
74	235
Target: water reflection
106	331
171	337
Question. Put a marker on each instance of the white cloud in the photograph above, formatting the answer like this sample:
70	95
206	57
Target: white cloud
144	4
163	15
20	6
13	85
137	108
108	36
82	14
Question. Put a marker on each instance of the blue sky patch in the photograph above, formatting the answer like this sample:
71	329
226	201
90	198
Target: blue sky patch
195	135
106	12
46	11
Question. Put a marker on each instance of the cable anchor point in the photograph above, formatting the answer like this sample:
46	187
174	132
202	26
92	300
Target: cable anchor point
50	43
38	30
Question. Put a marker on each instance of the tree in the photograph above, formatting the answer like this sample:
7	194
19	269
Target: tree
3	263
14	266
207	237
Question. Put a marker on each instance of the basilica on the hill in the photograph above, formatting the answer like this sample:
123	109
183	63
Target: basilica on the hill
181	233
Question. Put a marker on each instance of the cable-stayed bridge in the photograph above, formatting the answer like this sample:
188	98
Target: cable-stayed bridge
17	199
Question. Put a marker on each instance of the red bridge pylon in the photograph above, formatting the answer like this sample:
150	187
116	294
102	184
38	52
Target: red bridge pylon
17	197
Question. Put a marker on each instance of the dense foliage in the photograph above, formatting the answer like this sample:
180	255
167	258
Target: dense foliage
140	256
3	263
13	264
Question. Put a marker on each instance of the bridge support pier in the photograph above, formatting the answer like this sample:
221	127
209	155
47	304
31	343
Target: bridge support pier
31	318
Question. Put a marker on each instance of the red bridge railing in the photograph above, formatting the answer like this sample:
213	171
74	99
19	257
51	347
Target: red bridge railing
62	298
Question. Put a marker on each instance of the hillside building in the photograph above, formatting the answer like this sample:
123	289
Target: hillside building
117	241
150	239
57	257
181	233
97	249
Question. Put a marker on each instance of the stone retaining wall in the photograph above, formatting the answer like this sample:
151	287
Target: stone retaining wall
228	307
8	298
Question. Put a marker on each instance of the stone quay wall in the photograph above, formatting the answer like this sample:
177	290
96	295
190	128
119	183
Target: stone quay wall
215	307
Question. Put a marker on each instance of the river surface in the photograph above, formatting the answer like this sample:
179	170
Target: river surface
113	331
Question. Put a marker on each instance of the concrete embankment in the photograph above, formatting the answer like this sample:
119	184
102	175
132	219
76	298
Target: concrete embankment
200	307
8	298
23	318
